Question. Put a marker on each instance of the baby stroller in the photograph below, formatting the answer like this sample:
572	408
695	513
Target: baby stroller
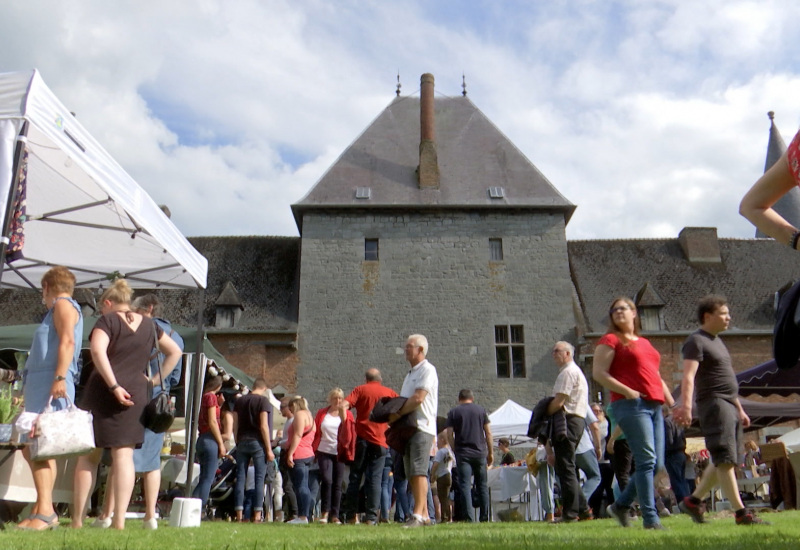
221	497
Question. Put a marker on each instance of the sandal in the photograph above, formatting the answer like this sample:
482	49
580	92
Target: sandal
50	522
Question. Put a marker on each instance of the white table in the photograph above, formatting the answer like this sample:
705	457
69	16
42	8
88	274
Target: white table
173	470
513	485
760	483
16	480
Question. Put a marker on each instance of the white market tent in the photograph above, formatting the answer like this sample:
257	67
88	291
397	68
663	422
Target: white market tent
81	209
511	420
791	440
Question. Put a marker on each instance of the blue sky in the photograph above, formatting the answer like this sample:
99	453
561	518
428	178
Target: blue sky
649	115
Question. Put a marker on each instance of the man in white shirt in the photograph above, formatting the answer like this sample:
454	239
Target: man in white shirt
570	392
421	387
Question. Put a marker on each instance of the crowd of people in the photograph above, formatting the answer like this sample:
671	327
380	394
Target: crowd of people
373	447
394	452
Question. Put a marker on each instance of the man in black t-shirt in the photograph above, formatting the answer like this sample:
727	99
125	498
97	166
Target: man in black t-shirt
253	417
707	365
470	438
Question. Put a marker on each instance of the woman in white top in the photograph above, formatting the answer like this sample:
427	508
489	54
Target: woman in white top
326	450
441	472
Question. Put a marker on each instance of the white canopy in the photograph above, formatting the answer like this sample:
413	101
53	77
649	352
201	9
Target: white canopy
791	440
83	210
511	420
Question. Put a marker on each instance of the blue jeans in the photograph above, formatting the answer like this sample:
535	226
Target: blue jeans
588	463
369	464
643	425
249	504
545	480
300	481
248	450
387	483
675	463
404	508
467	468
208	456
431	506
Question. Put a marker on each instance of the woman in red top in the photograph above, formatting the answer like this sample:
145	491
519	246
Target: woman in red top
210	447
627	364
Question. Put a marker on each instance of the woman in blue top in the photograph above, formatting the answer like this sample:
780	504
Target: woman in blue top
50	372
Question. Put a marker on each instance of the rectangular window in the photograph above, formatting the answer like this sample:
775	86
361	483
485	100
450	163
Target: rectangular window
496	250
509	349
371	250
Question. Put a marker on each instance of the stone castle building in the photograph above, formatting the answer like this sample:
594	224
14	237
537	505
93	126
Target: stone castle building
432	221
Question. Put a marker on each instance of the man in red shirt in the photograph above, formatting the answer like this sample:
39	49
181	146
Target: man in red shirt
371	448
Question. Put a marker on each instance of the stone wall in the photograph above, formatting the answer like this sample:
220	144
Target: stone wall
433	277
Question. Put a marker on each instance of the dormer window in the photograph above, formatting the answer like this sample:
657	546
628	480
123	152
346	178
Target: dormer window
229	307
650	307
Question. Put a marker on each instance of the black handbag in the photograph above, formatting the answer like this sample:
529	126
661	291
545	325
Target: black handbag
159	413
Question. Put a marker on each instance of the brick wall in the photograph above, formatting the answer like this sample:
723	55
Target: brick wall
250	353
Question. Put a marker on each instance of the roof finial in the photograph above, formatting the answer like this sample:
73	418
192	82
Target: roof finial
771	115
398	83
463	84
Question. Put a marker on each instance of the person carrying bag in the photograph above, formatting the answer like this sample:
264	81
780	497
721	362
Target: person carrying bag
63	433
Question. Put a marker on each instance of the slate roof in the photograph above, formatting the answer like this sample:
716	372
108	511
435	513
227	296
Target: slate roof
473	156
752	270
264	271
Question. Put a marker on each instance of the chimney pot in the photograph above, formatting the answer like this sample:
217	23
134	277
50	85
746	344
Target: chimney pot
700	245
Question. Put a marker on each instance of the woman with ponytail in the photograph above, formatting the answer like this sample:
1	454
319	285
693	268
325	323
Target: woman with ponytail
116	394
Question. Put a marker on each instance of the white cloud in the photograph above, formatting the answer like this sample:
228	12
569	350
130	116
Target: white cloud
650	116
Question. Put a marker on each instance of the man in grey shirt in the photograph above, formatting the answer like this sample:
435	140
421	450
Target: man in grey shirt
707	366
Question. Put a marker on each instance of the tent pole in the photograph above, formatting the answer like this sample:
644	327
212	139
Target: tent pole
12	197
196	386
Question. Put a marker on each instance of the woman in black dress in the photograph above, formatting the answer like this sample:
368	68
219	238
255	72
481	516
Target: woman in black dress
116	394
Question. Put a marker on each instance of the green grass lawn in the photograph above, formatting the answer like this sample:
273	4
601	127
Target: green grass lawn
720	533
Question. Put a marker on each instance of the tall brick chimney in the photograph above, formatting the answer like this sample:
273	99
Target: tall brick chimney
428	170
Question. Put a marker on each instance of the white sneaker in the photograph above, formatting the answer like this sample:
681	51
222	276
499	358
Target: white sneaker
103	523
150	524
298	521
